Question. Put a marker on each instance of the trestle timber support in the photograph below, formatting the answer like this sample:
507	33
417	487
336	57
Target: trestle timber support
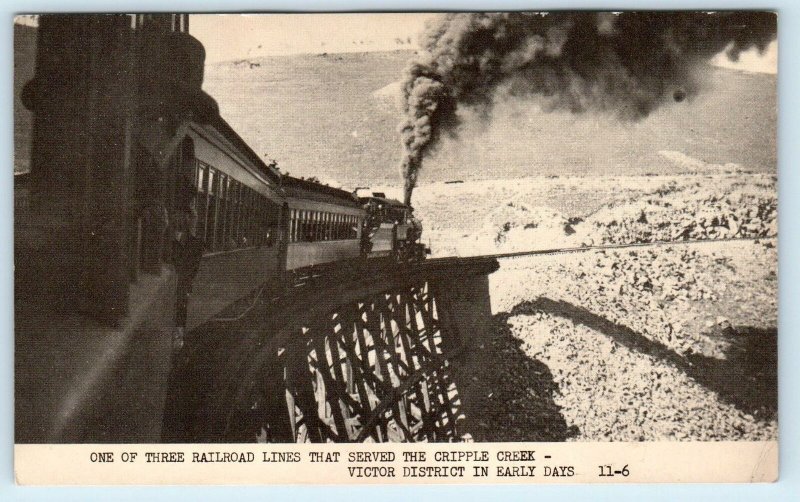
376	363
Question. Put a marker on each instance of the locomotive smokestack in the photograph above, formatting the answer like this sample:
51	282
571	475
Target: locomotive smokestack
409	171
622	65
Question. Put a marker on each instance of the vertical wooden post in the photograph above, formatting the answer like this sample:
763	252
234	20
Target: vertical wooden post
83	99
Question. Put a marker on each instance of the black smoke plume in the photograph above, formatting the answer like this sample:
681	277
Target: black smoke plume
624	65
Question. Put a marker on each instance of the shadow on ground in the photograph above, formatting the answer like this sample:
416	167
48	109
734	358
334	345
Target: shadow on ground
510	393
747	378
190	415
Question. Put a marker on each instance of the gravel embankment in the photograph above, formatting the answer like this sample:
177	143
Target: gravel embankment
588	347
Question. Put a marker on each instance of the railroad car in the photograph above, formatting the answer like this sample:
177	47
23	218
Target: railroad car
240	217
324	224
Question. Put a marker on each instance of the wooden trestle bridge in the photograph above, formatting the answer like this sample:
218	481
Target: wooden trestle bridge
359	354
366	352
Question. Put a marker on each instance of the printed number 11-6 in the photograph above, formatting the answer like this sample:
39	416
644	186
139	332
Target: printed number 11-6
607	470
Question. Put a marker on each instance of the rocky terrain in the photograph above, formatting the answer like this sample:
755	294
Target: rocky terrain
677	343
731	208
666	342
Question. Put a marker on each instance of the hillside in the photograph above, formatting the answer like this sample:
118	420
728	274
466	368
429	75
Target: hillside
333	116
315	114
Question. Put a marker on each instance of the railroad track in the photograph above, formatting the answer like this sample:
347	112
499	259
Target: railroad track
315	277
582	249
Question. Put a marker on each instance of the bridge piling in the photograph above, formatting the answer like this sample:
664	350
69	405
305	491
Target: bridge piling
465	313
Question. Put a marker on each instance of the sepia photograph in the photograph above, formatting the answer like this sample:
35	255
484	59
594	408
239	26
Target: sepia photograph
503	227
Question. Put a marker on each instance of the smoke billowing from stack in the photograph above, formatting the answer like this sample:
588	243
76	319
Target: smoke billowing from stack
624	65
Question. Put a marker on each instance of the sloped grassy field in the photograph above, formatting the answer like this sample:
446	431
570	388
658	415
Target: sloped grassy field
334	116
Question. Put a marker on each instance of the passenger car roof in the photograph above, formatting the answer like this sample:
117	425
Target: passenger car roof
307	189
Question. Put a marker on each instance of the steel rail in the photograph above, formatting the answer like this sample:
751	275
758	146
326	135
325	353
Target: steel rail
581	249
